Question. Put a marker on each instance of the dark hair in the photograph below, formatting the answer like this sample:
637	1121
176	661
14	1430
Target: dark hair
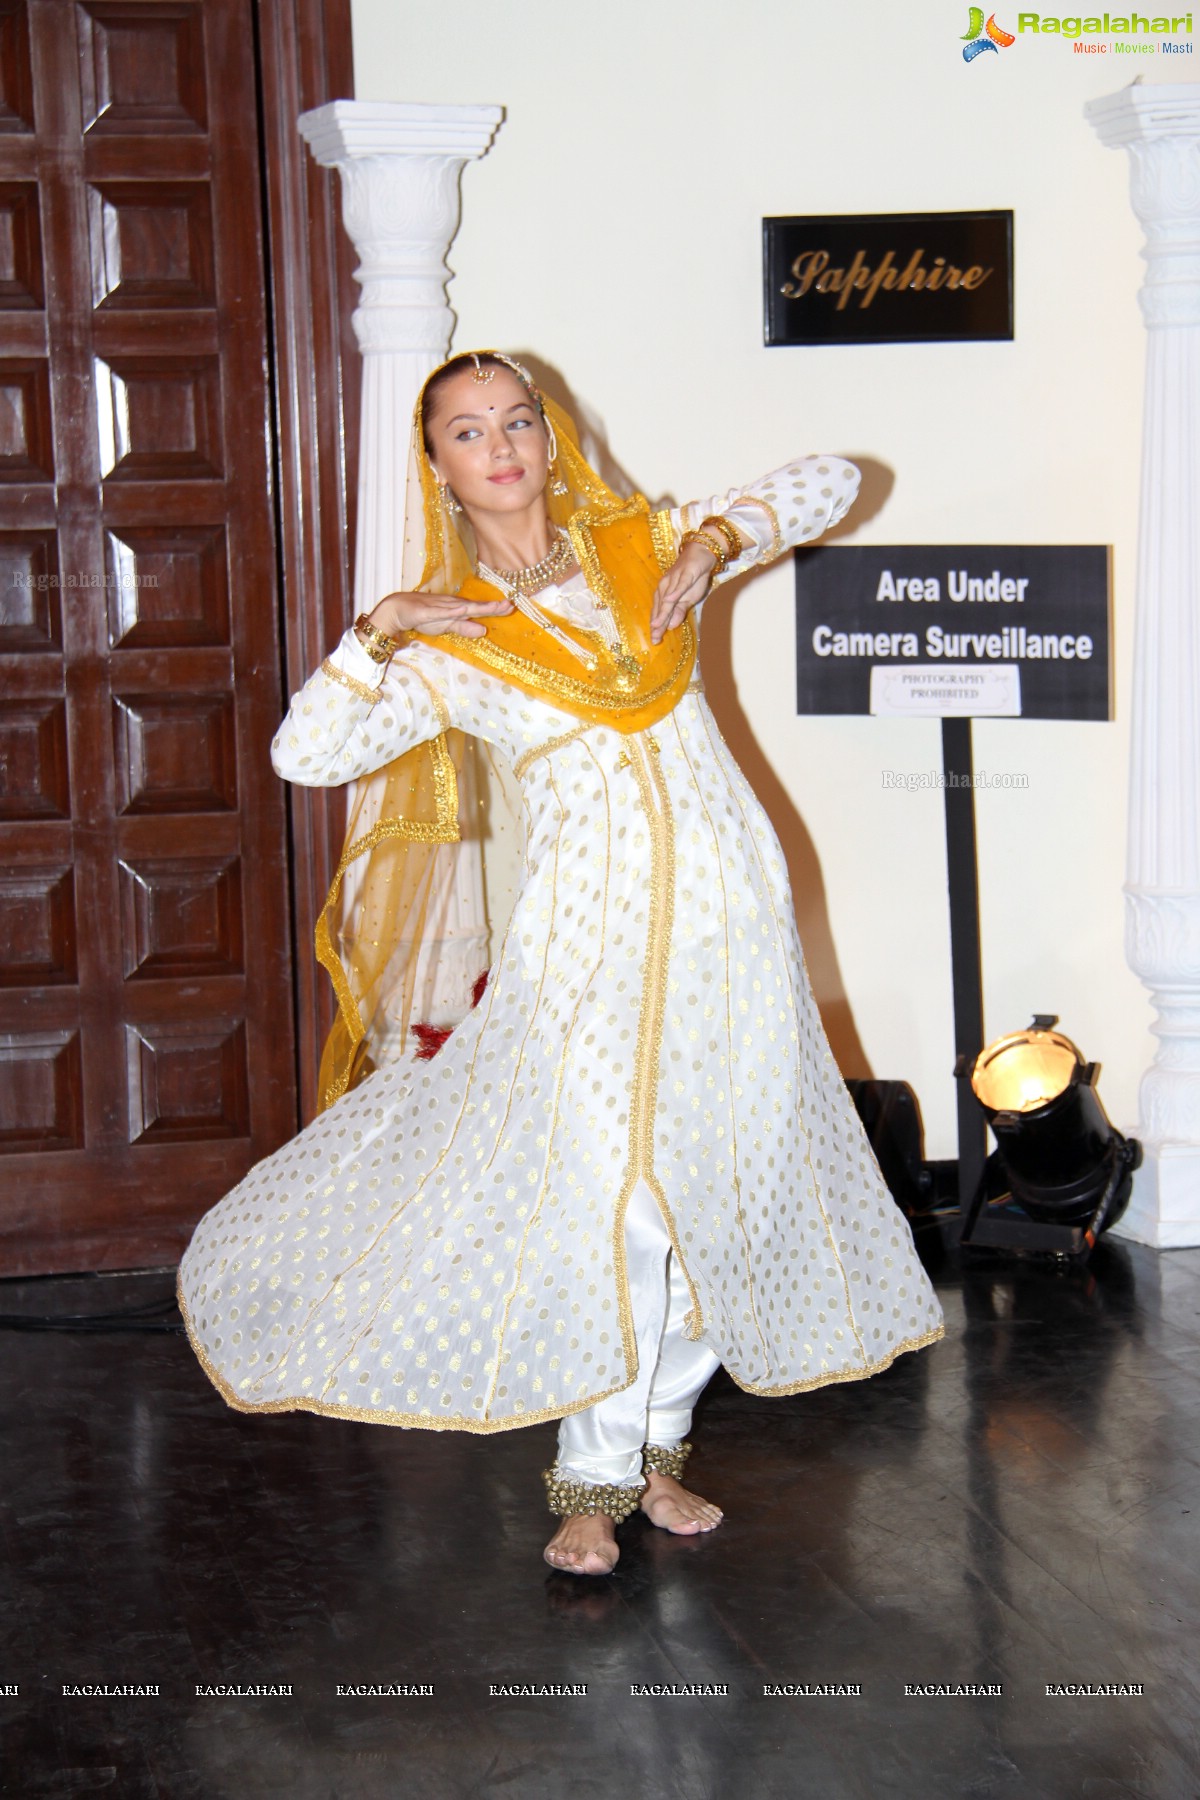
455	366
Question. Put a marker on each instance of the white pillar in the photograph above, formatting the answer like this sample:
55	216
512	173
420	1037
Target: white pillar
400	165
1160	127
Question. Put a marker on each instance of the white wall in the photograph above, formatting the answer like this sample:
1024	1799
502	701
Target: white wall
614	230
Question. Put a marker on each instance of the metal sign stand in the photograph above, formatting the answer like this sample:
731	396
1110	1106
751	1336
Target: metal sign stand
966	962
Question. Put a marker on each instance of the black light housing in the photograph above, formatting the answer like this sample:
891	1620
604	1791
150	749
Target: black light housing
1065	1163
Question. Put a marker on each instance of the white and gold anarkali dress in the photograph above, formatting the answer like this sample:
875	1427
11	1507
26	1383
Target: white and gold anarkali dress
445	1246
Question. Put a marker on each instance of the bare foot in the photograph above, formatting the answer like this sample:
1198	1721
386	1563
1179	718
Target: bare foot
668	1504
584	1544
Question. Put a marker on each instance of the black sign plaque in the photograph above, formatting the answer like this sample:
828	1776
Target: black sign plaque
954	630
888	278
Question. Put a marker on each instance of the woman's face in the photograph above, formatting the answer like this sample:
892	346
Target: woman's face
488	442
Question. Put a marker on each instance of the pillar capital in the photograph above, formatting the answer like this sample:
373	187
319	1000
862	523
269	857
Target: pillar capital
1160	127
400	163
344	130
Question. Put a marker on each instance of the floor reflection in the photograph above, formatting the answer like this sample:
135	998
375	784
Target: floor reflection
1016	1505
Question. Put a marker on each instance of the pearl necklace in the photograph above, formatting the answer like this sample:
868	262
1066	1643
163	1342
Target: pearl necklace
520	585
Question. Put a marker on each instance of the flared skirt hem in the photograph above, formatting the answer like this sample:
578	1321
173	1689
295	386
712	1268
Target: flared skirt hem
371	1415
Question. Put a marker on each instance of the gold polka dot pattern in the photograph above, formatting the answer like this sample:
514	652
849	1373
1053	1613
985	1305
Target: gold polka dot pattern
444	1247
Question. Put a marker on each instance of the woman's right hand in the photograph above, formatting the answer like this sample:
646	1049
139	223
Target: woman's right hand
435	613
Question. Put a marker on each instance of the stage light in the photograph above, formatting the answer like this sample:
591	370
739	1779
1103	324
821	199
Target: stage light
1065	1163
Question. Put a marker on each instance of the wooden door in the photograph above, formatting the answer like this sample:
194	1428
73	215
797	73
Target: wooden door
146	1039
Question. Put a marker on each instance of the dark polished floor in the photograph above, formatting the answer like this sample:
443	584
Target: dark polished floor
1017	1506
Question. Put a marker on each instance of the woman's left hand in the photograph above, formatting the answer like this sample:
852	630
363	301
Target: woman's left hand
683	586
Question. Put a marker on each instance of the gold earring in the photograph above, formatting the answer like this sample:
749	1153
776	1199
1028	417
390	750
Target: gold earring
448	501
557	484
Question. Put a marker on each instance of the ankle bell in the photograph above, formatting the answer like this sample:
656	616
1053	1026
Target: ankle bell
567	1497
665	1460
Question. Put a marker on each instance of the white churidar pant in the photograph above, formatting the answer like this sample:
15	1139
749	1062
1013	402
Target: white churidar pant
603	1443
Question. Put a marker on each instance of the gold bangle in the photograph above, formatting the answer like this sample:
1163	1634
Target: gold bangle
364	624
378	646
712	544
728	532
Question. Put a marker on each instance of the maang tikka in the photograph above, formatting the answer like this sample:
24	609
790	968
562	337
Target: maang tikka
558	484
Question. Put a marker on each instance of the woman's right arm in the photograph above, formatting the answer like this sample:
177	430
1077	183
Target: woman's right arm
355	715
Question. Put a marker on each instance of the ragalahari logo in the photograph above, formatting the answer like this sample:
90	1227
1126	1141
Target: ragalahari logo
975	42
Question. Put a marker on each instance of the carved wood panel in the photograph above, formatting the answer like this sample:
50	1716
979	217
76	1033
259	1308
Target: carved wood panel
146	1044
307	58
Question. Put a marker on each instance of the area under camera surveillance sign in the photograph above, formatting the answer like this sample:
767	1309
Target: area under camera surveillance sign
954	630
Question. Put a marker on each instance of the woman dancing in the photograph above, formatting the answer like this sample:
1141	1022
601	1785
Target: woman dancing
633	1160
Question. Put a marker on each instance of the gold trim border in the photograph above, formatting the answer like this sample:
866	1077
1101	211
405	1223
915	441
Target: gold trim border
443	830
331	672
875	1368
528	757
776	548
551	684
481	1428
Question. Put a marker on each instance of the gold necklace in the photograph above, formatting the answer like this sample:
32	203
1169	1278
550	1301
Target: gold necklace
536	575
